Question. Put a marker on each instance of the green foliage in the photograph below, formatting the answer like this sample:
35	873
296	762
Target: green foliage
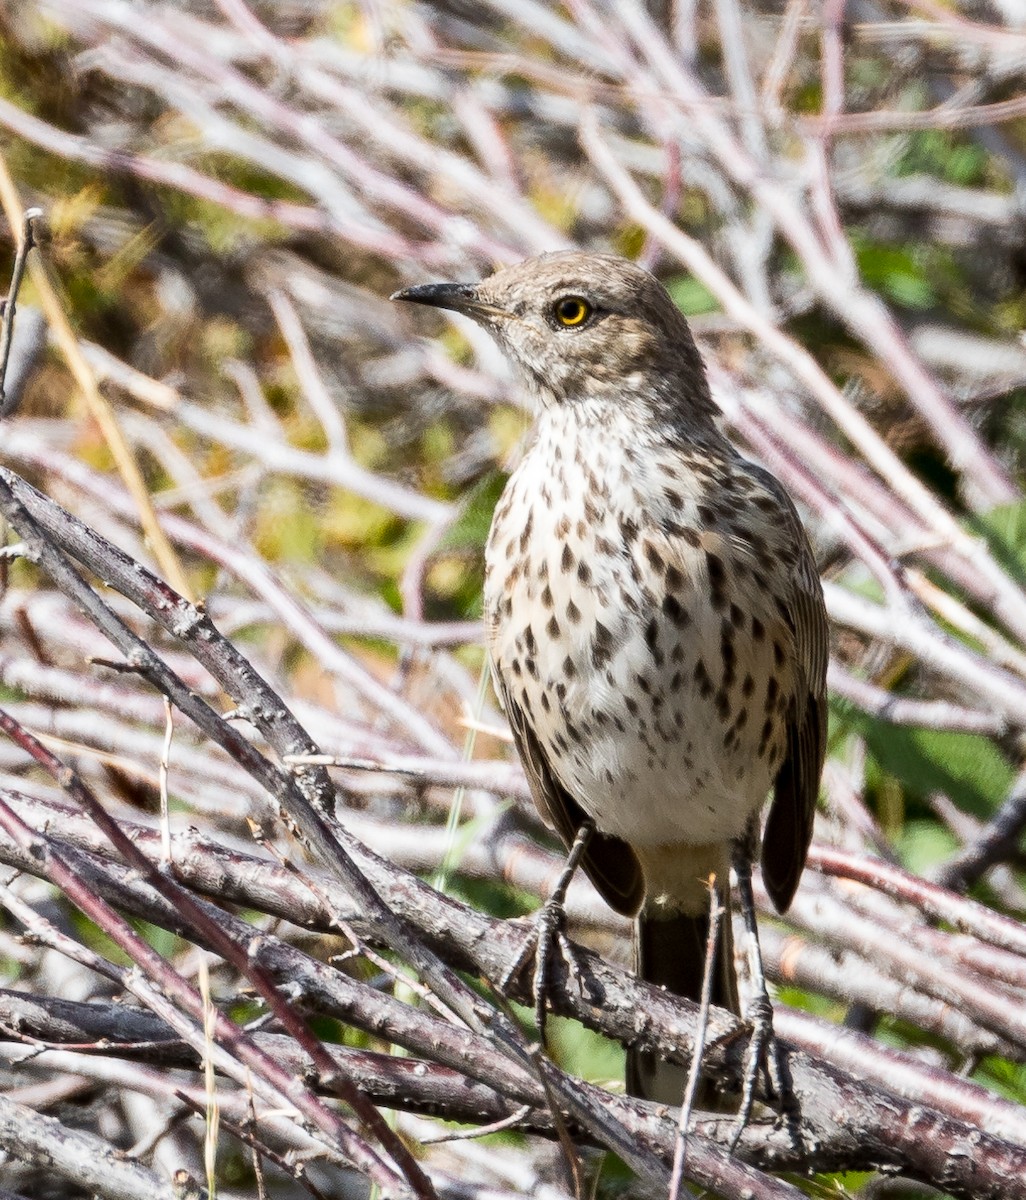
1008	1079
946	155
1004	529
968	768
691	296
899	272
470	530
583	1052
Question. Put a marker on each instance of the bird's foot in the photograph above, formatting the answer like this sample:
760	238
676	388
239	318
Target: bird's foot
547	934
766	1054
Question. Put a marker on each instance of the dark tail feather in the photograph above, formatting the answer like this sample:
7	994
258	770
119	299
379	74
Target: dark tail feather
670	952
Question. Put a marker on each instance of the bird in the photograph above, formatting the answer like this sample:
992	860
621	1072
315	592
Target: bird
654	619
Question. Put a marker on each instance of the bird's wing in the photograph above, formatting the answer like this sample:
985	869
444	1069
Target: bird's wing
788	829
609	863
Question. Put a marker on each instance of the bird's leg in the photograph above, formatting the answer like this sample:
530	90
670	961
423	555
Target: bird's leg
763	1049
548	929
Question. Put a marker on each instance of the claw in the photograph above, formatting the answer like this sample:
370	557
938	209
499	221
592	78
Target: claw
765	1053
549	931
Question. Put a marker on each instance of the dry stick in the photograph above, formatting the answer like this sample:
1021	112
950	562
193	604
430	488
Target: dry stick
25	244
99	408
493	944
709	1164
996	842
267	111
107	1030
907	710
908	534
251	570
324	989
183	178
306	799
45	1142
197	919
59	868
716	914
836	920
825	262
935	899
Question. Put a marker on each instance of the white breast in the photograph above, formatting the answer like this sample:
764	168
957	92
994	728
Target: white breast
631	698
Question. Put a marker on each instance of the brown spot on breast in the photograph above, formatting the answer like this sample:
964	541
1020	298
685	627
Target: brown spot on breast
717	580
655	559
674	579
671	606
572	611
652	641
705	687
601	646
552	628
727	653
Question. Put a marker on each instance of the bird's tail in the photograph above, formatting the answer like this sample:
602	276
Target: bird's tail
670	952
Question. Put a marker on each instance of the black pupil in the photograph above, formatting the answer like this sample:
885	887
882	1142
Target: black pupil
571	310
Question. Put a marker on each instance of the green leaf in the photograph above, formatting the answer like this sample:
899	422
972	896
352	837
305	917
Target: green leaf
1004	529
966	767
471	527
691	297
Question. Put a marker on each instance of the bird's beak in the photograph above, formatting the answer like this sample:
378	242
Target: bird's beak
459	297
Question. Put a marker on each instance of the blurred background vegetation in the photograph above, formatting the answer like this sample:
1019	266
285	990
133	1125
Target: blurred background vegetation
833	193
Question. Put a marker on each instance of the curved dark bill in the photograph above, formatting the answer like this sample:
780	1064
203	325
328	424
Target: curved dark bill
458	296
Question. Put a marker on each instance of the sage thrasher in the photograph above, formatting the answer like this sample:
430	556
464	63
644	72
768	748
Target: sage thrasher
654	617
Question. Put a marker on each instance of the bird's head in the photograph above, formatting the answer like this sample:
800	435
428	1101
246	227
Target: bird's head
585	326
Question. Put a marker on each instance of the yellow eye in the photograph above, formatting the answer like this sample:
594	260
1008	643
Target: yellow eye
571	311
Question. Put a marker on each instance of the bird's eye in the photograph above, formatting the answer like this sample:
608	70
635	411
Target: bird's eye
571	311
